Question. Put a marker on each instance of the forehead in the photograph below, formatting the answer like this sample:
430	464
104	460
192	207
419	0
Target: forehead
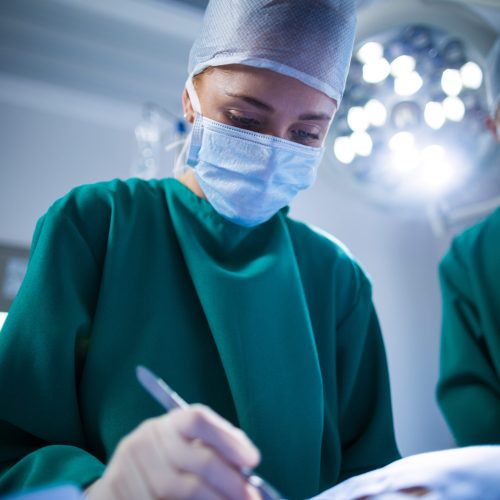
280	91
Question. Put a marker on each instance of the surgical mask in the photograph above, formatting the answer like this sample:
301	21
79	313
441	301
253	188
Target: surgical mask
247	176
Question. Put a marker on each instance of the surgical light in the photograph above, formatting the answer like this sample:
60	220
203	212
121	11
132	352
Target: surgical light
376	112
451	82
409	87
403	65
453	53
436	171
454	109
362	143
344	149
472	75
434	115
406	115
402	141
376	71
357	119
404	161
419	37
408	84
370	52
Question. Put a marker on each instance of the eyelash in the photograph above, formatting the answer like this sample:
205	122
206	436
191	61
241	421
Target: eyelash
306	135
245	122
251	123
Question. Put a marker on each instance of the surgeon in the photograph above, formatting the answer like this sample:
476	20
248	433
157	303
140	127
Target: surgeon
469	383
265	323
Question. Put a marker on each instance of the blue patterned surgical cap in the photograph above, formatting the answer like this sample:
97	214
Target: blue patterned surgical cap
310	40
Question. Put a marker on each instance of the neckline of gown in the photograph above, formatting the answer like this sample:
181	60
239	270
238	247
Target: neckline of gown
250	289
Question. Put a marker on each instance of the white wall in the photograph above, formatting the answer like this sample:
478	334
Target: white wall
44	155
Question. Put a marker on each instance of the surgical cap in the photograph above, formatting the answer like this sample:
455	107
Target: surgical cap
310	40
492	72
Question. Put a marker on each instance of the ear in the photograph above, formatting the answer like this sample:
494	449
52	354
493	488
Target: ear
492	127
187	107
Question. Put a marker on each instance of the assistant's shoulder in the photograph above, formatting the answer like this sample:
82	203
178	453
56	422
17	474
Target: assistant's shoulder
325	253
479	242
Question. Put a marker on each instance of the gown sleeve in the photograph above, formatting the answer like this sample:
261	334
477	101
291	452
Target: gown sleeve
468	390
366	424
42	345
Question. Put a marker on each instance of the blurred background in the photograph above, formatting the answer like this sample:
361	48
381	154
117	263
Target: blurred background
90	90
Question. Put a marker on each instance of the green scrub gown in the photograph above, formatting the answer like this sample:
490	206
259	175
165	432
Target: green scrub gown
469	385
273	327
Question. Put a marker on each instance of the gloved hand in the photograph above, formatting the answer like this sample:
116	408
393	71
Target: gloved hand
187	453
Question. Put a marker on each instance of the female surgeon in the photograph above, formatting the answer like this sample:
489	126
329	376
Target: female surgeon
205	280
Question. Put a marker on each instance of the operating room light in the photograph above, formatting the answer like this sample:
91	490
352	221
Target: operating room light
402	141
376	112
404	161
434	115
436	170
408	84
376	71
370	52
451	82
403	65
406	115
344	150
357	119
472	75
454	109
362	143
408	88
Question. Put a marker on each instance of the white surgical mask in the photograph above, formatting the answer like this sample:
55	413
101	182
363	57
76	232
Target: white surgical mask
247	176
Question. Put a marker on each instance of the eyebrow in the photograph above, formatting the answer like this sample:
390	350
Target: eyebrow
266	107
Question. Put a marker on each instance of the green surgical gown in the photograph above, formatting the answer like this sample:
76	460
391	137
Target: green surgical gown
469	384
273	327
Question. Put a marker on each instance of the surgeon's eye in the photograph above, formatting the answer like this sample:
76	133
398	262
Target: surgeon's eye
304	136
243	121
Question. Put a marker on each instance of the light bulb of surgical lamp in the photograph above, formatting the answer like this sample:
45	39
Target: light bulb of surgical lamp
402	141
437	172
370	52
472	75
376	112
344	149
434	115
433	154
405	161
376	71
362	143
451	82
454	109
403	65
357	119
408	84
